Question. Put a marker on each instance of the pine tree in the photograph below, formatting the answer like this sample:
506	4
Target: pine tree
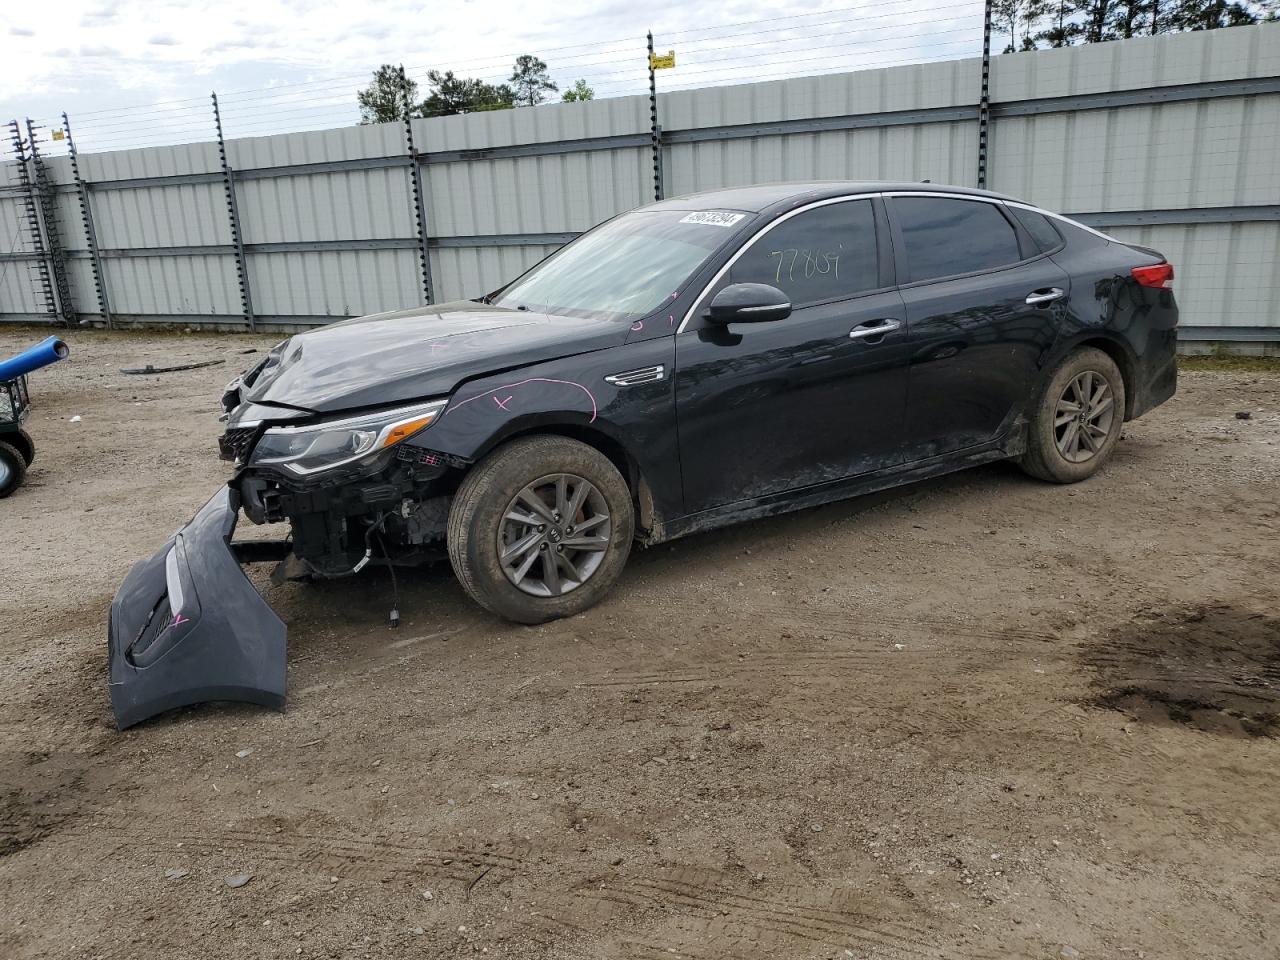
452	95
387	98
578	92
530	81
1210	15
1005	16
1128	18
1097	20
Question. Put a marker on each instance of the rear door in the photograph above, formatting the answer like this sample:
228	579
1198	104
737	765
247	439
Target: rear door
764	408
984	305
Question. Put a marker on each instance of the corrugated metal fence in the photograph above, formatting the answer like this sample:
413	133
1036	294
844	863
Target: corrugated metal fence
1170	141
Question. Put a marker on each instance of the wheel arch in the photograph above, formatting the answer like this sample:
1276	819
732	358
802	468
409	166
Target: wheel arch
1124	358
647	516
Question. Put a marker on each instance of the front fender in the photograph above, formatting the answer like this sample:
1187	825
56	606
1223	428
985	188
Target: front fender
638	414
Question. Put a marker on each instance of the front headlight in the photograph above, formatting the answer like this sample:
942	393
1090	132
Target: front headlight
322	446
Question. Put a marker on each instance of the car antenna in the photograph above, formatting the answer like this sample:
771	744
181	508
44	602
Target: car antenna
926	181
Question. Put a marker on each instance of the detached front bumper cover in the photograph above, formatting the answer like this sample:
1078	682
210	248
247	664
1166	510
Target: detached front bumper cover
187	626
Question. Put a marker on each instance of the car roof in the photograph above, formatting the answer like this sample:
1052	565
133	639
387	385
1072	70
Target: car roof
760	197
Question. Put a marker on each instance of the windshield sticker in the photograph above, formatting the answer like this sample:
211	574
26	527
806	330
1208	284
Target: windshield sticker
713	218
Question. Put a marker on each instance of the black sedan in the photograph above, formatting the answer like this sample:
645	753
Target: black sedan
696	362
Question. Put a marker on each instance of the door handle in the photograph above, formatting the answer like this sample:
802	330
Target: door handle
1039	298
875	328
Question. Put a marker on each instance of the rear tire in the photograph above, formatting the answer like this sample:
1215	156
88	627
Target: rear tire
13	469
1077	421
517	555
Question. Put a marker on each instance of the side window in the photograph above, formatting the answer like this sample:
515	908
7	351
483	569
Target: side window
822	254
1040	228
944	237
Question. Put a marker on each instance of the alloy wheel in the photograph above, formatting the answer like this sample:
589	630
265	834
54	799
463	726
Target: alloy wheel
1083	417
5	473
554	535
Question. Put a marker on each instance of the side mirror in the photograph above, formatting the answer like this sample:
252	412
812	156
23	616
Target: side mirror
749	303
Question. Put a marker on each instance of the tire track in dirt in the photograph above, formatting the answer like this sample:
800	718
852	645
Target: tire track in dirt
816	665
312	852
837	622
703	905
787	920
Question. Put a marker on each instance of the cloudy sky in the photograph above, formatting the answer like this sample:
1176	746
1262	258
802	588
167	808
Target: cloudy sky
139	71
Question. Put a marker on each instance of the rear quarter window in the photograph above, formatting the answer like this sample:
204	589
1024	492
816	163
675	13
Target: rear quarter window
1039	226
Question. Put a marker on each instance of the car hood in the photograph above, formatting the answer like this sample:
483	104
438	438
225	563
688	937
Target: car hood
415	354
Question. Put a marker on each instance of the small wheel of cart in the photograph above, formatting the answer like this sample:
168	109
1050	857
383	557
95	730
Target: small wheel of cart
17	449
13	469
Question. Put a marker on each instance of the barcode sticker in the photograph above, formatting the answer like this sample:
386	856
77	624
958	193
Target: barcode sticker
713	218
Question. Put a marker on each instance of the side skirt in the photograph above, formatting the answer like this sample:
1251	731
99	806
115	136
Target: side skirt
830	492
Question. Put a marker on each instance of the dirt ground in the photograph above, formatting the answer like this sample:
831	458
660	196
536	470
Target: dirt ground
980	717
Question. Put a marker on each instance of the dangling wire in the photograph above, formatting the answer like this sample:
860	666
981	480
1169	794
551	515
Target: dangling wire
393	618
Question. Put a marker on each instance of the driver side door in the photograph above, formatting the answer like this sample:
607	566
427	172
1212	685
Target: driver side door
764	409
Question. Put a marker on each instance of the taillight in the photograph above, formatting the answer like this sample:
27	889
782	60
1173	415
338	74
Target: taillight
1160	276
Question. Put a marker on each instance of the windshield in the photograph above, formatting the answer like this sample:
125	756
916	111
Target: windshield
625	268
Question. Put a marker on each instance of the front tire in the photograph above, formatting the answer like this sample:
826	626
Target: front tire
540	529
1078	420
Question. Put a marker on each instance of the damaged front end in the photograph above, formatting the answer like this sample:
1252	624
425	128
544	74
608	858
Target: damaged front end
350	489
187	626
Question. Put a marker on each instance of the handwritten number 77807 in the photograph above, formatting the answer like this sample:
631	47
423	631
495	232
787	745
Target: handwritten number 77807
811	263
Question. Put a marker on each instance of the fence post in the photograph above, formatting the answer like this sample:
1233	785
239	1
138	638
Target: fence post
33	221
655	131
415	186
242	268
984	101
90	235
47	198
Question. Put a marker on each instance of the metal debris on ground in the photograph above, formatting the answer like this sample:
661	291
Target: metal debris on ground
174	369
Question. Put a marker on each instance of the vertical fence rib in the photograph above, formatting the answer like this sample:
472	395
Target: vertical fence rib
984	99
655	131
233	215
415	187
90	234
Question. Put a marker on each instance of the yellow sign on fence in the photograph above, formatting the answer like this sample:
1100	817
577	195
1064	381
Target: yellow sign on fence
658	62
